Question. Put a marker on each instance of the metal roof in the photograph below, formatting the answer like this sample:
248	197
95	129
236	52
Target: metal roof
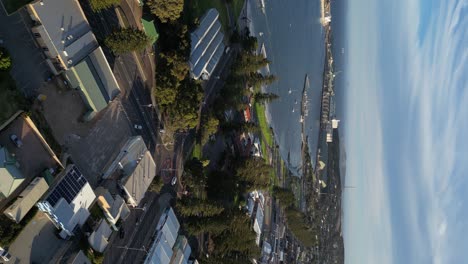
94	77
27	199
207	45
66	27
150	29
138	167
10	176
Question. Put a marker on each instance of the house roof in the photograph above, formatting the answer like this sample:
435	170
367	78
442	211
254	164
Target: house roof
139	169
66	28
207	45
27	199
138	182
10	175
94	77
150	29
99	238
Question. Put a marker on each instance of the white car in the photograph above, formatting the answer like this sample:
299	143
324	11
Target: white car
4	255
174	181
139	127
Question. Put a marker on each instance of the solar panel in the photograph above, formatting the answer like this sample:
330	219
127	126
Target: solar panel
68	187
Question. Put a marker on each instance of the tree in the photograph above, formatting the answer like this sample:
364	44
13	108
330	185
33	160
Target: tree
249	63
156	184
166	10
265	97
196	176
254	173
5	60
178	66
127	39
250	44
285	196
213	225
209	127
238	240
198	207
240	127
256	79
98	5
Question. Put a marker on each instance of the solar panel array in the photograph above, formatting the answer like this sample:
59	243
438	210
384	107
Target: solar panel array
68	187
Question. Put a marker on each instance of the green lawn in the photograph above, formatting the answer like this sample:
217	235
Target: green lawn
13	5
197	8
11	99
262	122
237	7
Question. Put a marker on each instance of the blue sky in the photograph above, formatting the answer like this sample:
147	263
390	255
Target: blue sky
406	131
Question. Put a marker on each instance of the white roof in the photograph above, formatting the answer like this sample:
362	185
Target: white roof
99	238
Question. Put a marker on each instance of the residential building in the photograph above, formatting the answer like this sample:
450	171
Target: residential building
182	251
24	159
168	247
64	34
135	169
27	199
99	239
114	207
207	46
67	202
10	175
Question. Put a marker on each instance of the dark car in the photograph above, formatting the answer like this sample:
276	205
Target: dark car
121	233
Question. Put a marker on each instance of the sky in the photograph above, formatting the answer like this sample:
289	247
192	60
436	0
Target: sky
406	128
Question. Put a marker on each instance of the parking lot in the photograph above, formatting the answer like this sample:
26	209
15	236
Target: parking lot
102	144
67	121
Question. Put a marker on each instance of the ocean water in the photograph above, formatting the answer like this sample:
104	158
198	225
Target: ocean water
294	42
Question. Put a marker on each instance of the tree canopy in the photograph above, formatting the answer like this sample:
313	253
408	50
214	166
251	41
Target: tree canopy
254	173
98	5
166	10
209	127
5	60
198	207
265	97
127	39
285	196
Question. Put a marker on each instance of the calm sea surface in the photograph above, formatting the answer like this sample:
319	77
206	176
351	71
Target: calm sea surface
294	42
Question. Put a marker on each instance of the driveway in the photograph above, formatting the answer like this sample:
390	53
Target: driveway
29	69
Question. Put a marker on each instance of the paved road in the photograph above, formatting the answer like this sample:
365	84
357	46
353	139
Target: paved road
136	96
29	67
139	228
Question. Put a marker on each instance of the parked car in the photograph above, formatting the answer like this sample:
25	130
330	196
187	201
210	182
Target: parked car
174	181
139	127
121	233
4	255
16	140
